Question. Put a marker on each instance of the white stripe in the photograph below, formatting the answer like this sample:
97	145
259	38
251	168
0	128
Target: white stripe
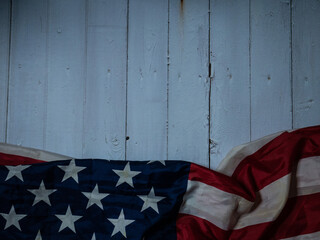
309	236
237	154
272	198
220	208
30	152
216	206
308	177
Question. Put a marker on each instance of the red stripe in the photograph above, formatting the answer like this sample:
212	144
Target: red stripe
299	216
217	180
14	160
277	158
191	227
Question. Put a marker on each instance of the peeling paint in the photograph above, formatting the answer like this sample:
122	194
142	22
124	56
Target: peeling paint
213	147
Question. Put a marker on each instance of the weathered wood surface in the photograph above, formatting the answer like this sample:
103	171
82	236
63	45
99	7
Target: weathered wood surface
147	80
28	74
66	76
306	63
188	88
105	88
155	80
5	16
271	102
230	80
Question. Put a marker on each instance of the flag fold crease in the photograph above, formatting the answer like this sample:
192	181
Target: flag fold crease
265	189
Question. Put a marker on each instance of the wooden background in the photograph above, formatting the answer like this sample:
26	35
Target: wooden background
156	79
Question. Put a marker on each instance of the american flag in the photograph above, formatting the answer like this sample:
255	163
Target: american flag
267	189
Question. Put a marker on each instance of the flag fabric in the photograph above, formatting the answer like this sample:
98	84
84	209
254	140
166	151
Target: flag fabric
266	189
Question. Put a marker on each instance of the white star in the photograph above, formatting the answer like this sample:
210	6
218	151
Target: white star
71	171
120	224
68	220
12	218
163	162
16	171
126	175
95	197
38	237
151	200
42	194
93	236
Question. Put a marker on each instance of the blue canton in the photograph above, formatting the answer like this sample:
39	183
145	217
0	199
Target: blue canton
91	199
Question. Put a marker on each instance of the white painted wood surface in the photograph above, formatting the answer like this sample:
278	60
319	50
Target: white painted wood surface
84	75
230	80
147	80
188	102
271	103
4	63
66	76
306	62
105	89
28	74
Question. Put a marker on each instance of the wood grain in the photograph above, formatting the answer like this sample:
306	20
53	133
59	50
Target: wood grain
147	80
28	74
188	119
118	79
230	87
271	105
105	98
306	59
5	15
66	77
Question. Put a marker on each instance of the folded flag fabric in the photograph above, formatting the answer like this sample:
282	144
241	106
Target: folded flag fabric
266	189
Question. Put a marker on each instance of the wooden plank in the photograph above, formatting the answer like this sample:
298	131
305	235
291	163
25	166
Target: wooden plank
105	108
66	75
271	106
147	80
306	58
230	91
188	118
5	15
28	70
